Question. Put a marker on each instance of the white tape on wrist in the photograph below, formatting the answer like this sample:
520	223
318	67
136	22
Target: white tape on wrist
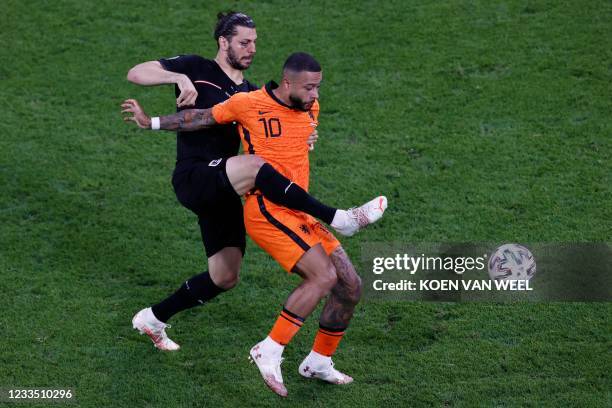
155	123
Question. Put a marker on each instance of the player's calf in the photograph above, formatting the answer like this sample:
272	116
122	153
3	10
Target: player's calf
250	171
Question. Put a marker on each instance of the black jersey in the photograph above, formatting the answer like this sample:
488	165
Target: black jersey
213	86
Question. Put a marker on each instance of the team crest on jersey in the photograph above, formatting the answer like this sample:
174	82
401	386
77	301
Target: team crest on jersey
215	163
305	229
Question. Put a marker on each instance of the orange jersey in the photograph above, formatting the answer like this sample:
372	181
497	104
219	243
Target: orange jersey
272	130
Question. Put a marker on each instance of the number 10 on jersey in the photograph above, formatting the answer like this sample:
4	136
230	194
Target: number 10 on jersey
272	127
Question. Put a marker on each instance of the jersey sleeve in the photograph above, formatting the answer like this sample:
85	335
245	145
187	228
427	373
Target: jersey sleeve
182	64
233	109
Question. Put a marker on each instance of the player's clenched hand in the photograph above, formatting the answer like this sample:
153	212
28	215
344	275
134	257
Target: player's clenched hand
138	115
188	92
312	139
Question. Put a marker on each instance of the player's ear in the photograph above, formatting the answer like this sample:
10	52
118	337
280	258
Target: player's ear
223	43
285	82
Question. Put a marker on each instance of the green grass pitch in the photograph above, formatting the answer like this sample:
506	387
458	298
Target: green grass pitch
480	120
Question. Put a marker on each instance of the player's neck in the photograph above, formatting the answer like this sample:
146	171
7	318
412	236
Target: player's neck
233	73
282	96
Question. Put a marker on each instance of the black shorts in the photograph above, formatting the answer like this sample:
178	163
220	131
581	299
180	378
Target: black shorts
203	187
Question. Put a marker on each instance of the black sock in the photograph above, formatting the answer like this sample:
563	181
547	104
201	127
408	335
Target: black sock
280	190
195	291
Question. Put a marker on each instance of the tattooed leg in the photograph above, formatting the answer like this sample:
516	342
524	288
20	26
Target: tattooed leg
345	295
335	317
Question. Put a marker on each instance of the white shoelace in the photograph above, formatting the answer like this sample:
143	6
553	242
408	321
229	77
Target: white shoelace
160	332
359	214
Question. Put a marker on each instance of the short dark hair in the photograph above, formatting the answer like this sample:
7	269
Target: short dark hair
300	62
227	23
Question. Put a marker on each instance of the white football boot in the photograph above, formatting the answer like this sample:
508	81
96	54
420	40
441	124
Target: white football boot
146	323
348	222
321	367
267	356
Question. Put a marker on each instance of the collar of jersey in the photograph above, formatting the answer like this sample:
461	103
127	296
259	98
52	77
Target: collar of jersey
273	85
229	83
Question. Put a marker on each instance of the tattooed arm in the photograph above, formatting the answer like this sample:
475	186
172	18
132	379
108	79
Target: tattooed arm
186	120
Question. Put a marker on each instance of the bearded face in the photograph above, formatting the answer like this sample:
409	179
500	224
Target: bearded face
304	89
298	103
238	61
241	48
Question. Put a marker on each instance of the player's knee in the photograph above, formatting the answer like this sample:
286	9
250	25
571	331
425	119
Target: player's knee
327	279
133	76
255	163
231	282
228	283
227	279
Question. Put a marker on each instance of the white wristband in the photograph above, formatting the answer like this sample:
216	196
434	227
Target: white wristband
155	123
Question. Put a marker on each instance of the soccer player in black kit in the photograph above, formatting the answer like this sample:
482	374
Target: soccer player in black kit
209	177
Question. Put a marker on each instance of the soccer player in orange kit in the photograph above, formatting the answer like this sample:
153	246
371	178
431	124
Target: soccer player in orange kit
274	123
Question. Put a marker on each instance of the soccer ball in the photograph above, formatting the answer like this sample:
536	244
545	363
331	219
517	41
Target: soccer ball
512	262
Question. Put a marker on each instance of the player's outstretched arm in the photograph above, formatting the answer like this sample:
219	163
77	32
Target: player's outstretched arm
186	120
152	73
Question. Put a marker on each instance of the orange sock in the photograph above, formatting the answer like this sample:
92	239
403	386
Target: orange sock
286	326
327	340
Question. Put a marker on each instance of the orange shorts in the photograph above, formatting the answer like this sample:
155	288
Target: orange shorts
283	233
